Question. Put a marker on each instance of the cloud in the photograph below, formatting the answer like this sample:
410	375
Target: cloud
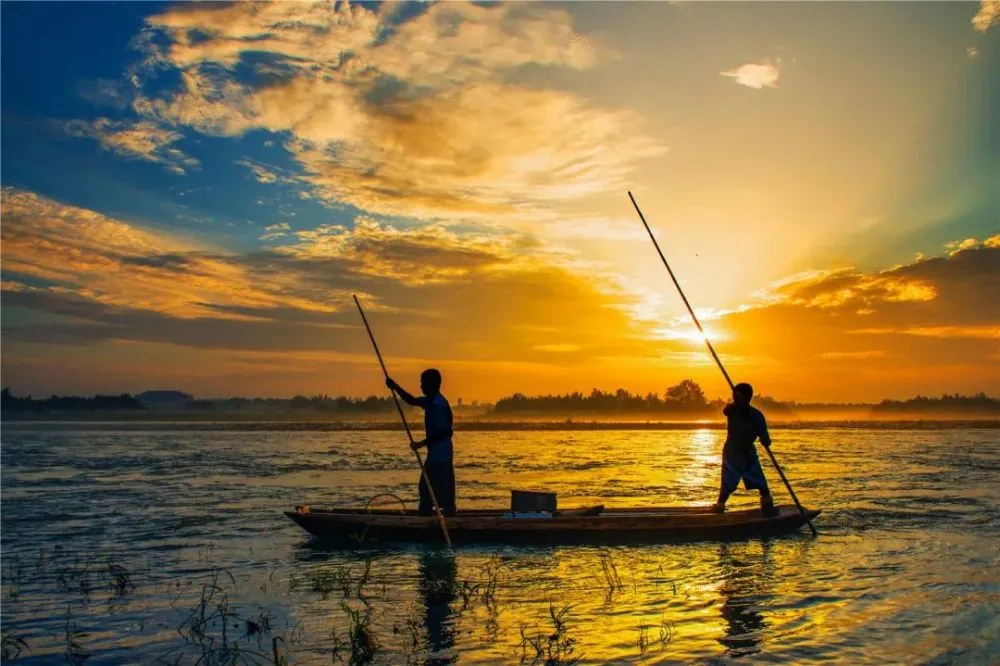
411	116
936	311
973	332
142	140
853	355
954	247
260	172
422	254
273	231
105	92
753	75
77	251
108	281
558	348
848	287
987	16
492	306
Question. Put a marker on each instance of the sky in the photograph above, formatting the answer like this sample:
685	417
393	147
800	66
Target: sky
192	193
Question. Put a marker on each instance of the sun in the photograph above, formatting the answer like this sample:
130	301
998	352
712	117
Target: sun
691	334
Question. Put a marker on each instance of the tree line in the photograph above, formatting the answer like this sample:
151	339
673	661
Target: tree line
686	397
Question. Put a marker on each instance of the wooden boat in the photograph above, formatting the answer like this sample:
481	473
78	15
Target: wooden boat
587	525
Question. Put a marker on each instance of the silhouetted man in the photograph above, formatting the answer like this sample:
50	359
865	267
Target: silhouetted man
739	455
438	431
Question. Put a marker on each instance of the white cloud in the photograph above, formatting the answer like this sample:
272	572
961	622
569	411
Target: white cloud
754	75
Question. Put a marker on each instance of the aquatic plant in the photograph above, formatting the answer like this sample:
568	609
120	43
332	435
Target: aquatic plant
612	580
75	654
551	649
363	643
12	644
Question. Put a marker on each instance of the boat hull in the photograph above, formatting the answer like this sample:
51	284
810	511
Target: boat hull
644	525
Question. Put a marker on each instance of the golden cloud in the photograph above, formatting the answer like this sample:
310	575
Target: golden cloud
143	140
404	117
987	16
849	287
974	332
120	265
853	355
493	300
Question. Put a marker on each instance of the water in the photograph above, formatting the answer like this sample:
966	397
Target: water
905	569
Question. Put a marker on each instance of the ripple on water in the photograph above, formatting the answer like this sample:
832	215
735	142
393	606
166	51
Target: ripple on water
904	570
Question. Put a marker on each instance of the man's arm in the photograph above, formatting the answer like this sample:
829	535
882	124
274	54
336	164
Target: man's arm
402	393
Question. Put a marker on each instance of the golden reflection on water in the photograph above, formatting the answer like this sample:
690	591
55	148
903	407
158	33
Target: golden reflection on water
903	570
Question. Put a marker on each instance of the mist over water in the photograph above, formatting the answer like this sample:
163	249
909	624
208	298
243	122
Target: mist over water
904	570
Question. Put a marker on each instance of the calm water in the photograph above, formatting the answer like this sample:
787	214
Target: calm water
905	569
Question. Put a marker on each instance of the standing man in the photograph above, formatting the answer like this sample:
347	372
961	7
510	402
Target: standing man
739	455
439	465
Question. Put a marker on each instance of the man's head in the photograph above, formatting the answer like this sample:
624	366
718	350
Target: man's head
742	393
430	381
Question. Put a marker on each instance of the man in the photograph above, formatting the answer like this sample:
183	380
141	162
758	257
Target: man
438	431
739	455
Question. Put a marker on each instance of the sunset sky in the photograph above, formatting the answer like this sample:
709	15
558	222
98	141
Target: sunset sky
191	194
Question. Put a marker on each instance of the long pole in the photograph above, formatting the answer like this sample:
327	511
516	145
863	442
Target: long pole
406	426
718	361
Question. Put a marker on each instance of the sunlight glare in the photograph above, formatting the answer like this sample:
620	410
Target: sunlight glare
691	334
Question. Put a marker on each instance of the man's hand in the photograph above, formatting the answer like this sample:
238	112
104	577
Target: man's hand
391	384
417	445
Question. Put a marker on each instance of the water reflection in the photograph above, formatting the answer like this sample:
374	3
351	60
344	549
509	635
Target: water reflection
746	586
437	585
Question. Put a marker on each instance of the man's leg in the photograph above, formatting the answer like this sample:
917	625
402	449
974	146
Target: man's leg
442	477
730	479
426	506
753	478
444	487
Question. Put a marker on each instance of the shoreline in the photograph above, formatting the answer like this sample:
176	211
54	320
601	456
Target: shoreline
262	425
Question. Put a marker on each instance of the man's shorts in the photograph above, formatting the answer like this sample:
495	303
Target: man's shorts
742	467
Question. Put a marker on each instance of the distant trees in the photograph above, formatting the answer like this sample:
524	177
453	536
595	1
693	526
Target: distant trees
978	404
688	392
684	398
124	401
687	397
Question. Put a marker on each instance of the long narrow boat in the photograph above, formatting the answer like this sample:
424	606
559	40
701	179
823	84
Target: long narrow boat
588	525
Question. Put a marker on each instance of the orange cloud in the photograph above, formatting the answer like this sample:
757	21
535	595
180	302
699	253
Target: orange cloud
975	332
488	308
